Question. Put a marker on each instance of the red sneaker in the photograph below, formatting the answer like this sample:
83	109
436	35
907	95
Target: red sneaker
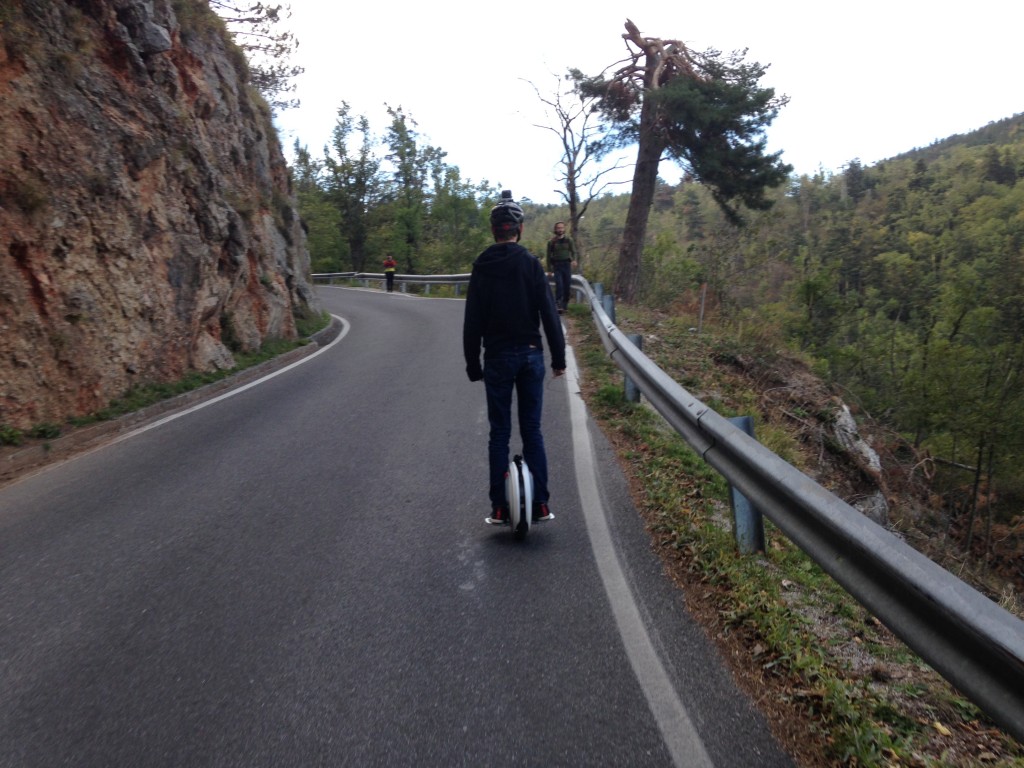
499	516
541	513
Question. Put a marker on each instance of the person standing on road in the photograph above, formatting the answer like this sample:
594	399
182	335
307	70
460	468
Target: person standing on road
508	302
390	265
561	259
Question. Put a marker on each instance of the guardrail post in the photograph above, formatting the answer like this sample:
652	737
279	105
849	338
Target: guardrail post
598	289
609	306
403	288
748	524
426	289
632	391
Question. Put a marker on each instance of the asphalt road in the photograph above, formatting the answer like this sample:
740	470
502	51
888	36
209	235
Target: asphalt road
299	575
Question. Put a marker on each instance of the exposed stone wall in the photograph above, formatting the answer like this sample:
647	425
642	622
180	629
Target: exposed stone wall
147	226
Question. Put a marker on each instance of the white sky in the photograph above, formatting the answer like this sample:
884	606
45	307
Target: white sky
866	80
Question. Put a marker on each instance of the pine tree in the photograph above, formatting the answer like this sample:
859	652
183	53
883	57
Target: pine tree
704	111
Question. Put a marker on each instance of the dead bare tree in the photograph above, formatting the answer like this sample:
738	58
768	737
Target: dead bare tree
573	119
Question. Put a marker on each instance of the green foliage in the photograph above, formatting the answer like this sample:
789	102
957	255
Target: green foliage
328	251
370	197
351	182
902	281
912	291
669	272
45	431
715	126
10	435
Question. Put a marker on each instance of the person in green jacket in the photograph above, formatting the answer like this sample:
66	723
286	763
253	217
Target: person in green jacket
561	259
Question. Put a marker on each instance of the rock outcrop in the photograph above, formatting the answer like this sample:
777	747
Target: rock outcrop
147	225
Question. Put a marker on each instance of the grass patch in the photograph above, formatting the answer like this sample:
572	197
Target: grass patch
308	322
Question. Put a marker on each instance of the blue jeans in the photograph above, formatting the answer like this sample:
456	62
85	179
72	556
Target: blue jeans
521	368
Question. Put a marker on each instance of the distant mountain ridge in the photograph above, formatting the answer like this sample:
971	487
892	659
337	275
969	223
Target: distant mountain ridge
1006	131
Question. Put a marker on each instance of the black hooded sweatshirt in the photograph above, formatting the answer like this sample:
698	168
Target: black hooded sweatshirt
509	299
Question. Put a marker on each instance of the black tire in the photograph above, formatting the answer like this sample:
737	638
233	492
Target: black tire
524	521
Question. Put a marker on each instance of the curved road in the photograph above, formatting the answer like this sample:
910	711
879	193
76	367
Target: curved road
299	575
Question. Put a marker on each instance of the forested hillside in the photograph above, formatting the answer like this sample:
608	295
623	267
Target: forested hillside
901	282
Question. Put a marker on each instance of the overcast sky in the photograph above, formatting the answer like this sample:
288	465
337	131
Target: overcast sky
866	80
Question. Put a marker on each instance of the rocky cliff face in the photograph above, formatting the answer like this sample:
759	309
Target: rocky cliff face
147	227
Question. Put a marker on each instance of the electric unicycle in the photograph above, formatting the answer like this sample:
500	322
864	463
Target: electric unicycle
519	492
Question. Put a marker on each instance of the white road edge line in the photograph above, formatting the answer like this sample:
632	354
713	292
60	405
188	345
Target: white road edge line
677	729
178	414
345	327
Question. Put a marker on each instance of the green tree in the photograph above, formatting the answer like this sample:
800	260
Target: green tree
414	165
704	111
455	230
855	181
306	171
999	167
353	182
320	219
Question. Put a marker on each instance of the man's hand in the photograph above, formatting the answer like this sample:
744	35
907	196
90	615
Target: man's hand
558	372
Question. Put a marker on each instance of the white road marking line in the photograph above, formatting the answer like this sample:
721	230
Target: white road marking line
677	729
198	406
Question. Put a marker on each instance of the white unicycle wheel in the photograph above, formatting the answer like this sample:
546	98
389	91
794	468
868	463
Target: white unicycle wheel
519	492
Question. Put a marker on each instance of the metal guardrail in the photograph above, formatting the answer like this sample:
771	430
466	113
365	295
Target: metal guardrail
366	277
967	638
972	642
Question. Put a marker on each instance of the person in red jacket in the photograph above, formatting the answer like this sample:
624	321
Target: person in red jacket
390	265
508	302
